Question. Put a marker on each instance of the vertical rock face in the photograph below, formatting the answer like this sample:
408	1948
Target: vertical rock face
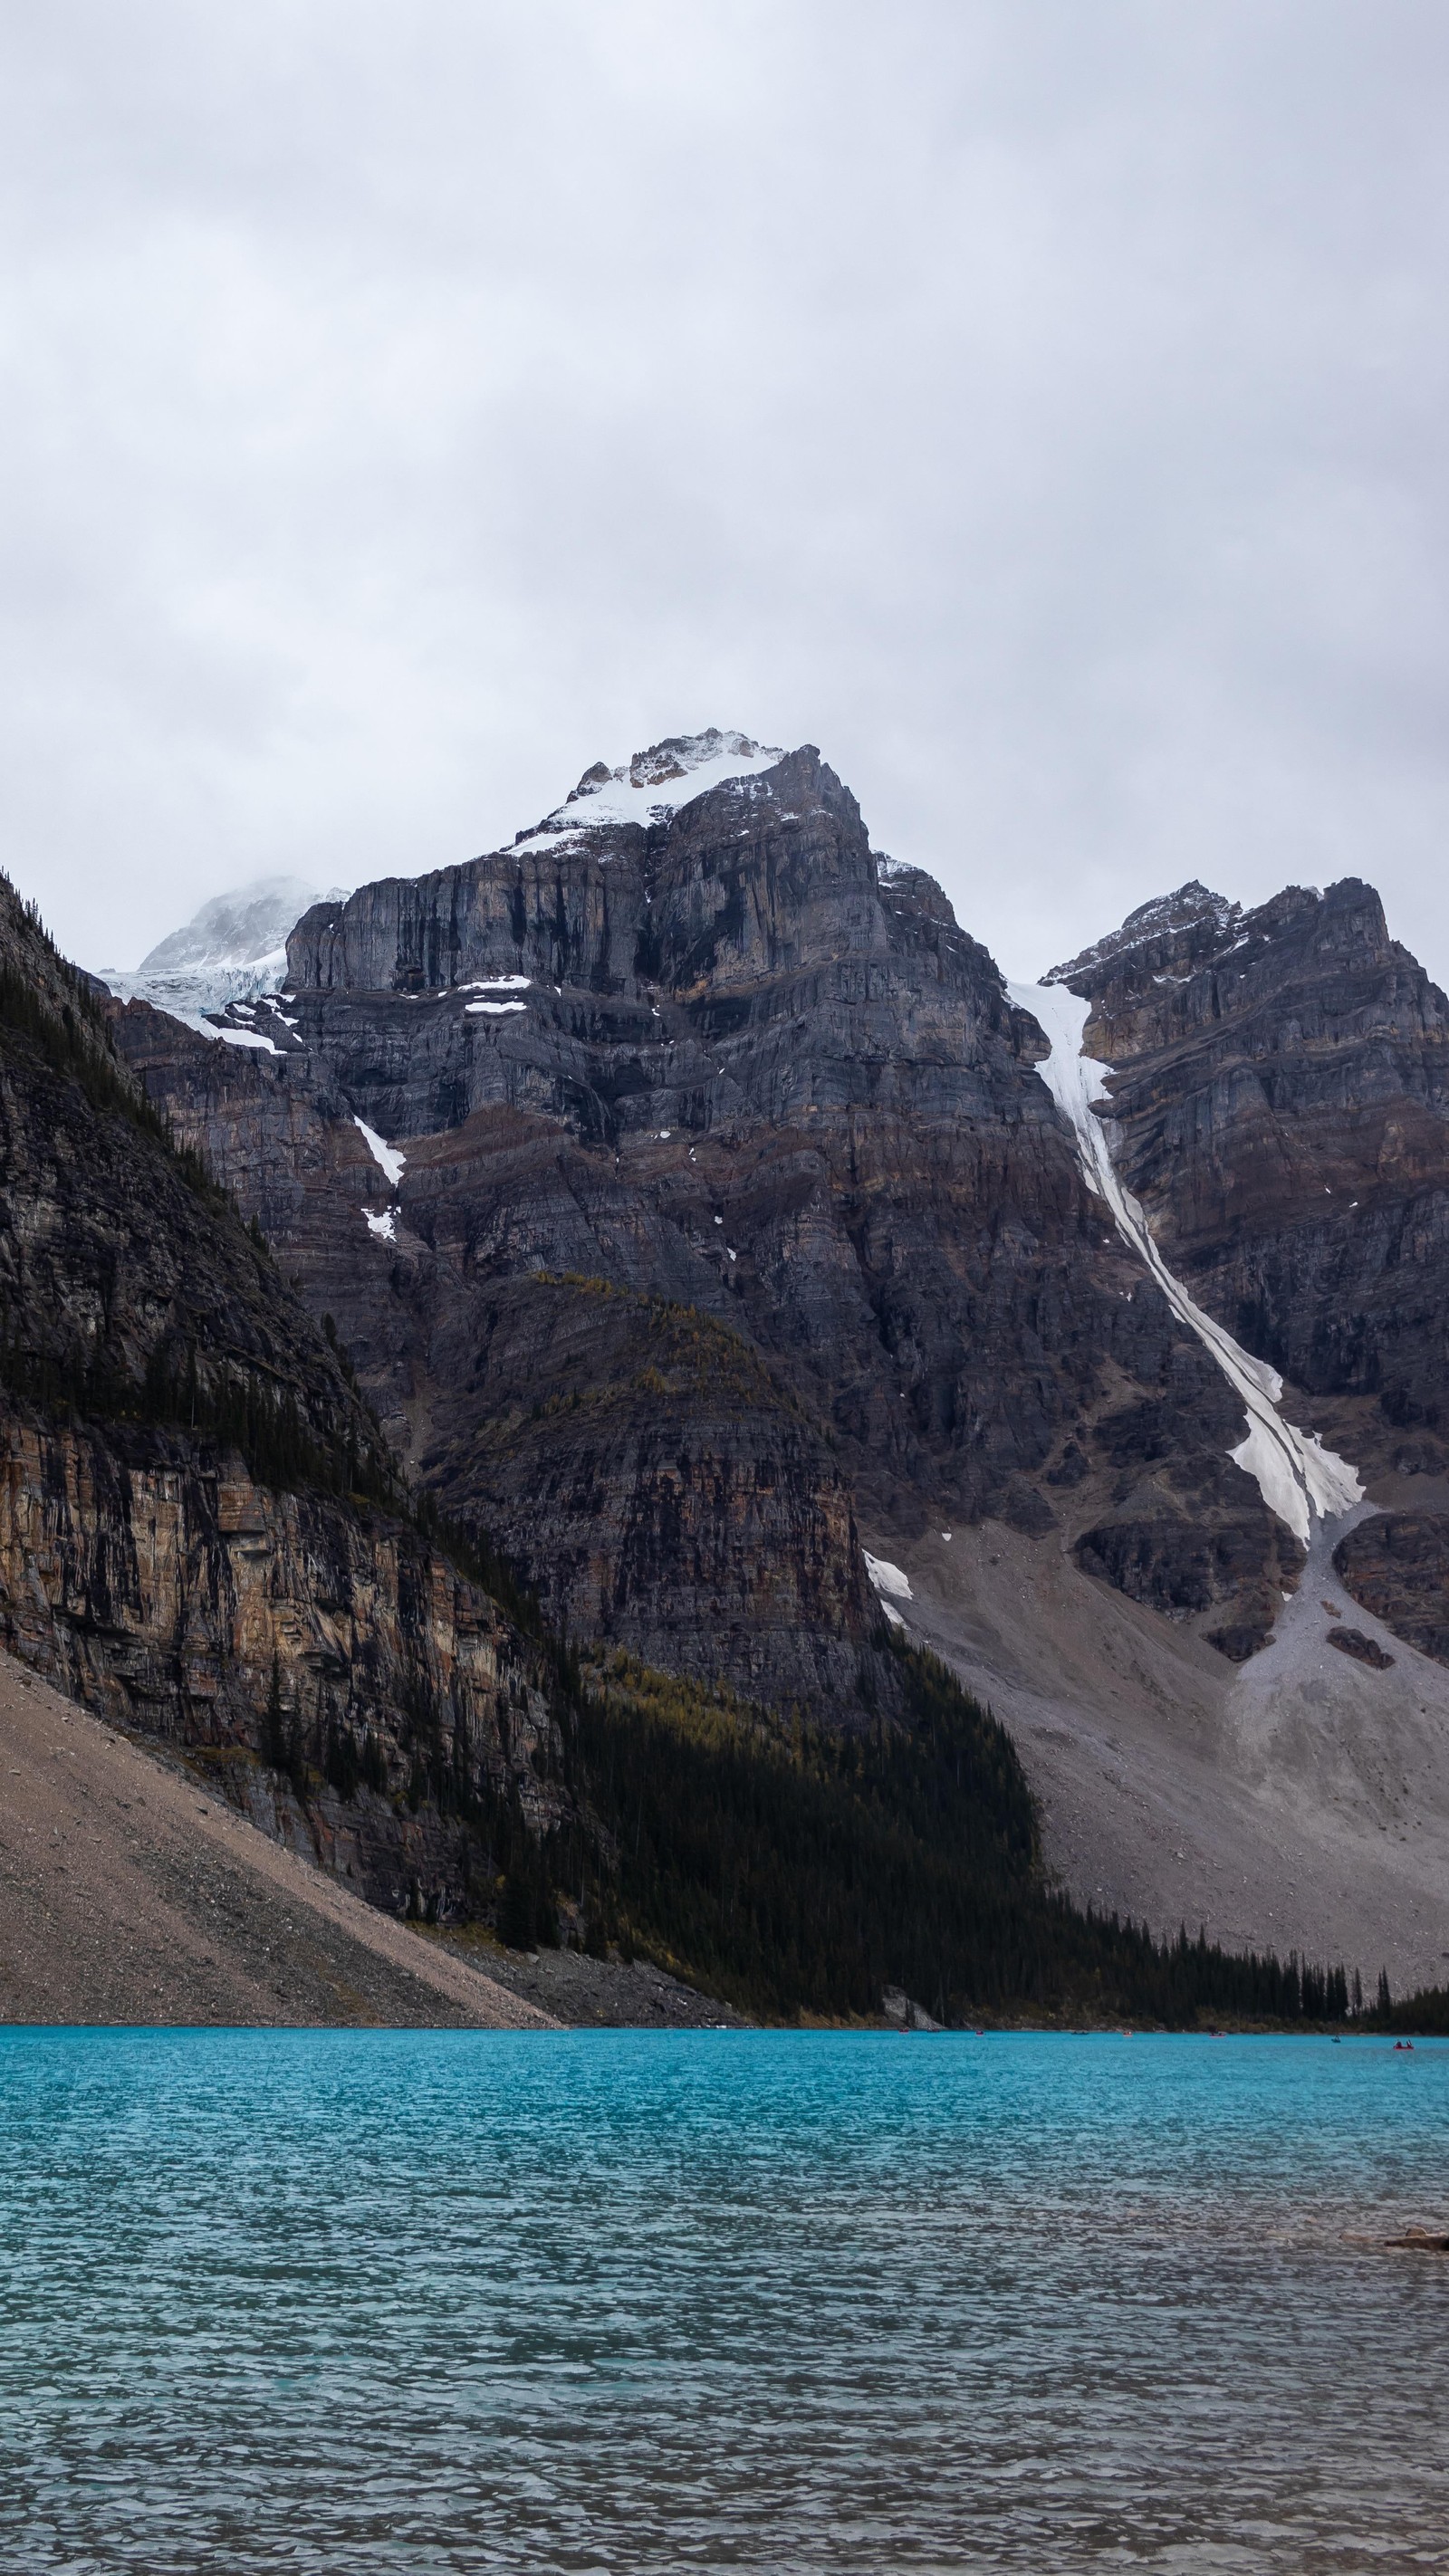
683	1186
160	1585
1281	1109
1397	1566
751	878
723	1064
182	1544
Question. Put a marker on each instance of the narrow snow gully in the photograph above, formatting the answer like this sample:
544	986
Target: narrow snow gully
1297	1477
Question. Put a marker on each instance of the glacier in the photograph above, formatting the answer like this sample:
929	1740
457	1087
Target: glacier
234	949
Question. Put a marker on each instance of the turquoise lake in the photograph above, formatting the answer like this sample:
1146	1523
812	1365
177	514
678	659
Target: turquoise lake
370	2300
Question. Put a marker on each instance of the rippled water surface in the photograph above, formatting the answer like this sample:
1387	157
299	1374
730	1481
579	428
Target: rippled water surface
373	2301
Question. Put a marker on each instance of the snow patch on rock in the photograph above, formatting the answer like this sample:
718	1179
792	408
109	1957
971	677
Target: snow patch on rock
887	1577
244	1038
384	1155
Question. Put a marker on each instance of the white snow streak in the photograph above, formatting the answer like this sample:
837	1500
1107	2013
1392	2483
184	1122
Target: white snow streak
386	1156
491	1010
887	1577
384	1226
1295	1475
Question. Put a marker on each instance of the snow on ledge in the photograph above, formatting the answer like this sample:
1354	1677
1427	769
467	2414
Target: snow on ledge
382	1224
247	1038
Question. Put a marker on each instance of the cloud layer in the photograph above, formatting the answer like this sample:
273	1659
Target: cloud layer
1040	409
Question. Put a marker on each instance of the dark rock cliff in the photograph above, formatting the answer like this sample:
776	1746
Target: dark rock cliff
182	1540
1281	1108
1397	1566
729	1063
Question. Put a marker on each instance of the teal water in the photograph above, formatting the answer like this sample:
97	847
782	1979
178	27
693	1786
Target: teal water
376	2301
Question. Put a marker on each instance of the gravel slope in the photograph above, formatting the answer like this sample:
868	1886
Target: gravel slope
129	1895
1299	1801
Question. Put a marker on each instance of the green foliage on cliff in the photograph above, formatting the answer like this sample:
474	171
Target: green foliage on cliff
49	1004
70	1037
687	1355
226	1405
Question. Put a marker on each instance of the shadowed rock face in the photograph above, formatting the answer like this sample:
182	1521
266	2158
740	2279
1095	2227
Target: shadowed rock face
148	1347
729	1062
659	1481
756	877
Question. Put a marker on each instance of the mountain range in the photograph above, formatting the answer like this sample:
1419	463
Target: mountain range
710	1235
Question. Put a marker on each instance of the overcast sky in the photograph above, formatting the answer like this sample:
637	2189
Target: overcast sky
1039	406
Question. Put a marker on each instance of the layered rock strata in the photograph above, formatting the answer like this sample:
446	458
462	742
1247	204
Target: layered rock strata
725	1060
182	1543
335	1677
1397	1566
1279	1104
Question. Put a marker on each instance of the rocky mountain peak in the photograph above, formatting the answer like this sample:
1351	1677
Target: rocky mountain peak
752	861
1192	908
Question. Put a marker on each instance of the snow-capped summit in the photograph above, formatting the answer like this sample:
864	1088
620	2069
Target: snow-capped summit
655	782
234	948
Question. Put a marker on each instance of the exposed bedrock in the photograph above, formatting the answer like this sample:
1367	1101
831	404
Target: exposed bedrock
1281	1109
167	1591
1397	1566
184	1539
753	1071
753	878
660	1482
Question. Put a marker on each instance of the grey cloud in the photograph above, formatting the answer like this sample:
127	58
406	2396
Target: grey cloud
1039	409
